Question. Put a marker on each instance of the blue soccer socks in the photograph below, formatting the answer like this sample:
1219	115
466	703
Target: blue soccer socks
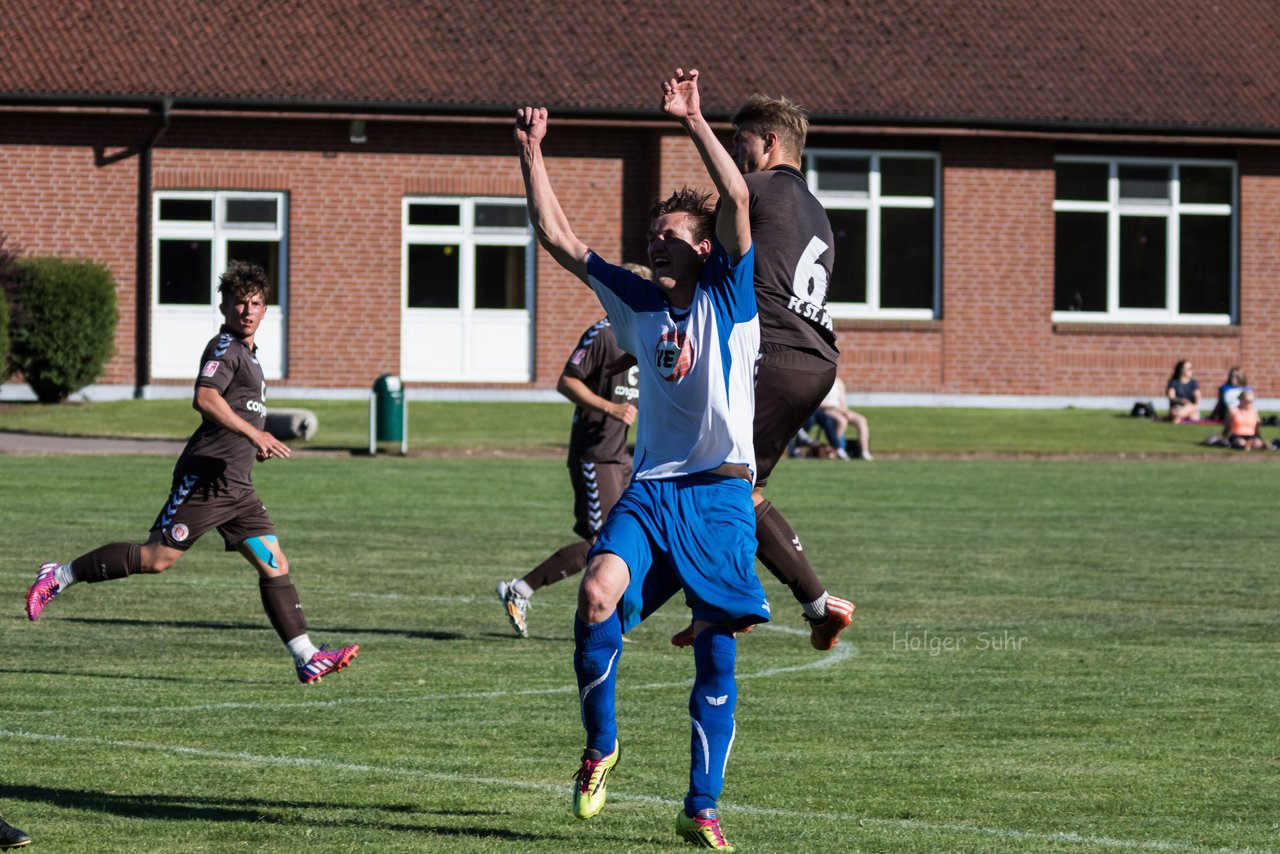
711	705
597	649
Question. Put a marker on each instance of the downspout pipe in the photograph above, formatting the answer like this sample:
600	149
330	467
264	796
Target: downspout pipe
142	259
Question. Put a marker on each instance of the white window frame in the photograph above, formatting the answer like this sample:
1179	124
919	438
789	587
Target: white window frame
873	202
471	321
219	232
1172	210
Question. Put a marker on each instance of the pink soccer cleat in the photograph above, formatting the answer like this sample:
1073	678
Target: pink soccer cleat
42	590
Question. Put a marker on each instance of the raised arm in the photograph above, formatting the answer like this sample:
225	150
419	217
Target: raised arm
548	218
733	226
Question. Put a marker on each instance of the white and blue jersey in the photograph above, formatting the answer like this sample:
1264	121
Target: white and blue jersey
678	526
697	365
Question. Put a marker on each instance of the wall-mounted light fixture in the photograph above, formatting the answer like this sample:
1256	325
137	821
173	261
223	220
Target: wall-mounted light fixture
357	132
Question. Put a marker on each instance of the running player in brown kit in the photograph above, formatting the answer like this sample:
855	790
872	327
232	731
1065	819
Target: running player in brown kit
794	258
212	485
603	381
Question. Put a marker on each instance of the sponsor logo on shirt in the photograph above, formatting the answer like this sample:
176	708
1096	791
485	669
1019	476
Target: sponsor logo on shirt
629	390
809	311
674	355
578	356
210	368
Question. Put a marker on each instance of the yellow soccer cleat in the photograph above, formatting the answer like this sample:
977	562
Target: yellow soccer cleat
702	830
588	788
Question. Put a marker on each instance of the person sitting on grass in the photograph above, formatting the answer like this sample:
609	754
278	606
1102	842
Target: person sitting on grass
1241	429
1229	393
1183	391
834	417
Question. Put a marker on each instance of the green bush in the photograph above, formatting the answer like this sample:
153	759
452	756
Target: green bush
64	320
4	337
8	279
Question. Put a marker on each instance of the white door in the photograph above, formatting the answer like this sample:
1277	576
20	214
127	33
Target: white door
196	234
466	287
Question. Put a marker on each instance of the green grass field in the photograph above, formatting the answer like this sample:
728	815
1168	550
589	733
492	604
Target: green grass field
542	427
1066	655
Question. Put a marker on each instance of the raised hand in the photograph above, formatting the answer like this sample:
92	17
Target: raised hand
531	125
680	95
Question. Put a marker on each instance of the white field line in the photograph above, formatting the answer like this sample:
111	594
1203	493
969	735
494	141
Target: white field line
669	803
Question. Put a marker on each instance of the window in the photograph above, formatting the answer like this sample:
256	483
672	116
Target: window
195	230
884	215
467	285
196	234
1144	240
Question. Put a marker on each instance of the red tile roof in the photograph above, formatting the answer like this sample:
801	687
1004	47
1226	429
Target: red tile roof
1185	65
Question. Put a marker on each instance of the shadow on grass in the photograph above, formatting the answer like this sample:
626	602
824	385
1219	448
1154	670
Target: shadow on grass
163	807
167	624
133	677
356	632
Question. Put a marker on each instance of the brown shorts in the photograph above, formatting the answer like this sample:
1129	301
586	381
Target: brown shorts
195	507
790	384
596	488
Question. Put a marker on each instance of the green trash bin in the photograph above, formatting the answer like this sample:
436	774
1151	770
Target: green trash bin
388	416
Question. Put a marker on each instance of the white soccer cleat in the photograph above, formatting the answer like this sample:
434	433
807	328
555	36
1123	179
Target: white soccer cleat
516	606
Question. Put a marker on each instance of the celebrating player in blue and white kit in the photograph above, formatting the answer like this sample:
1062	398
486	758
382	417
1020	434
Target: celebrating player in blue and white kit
686	520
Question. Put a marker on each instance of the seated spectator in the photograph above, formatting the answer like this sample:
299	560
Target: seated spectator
1229	393
1183	391
1242	425
834	417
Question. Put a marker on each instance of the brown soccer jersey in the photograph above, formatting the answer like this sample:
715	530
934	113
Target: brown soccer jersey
214	453
795	251
610	373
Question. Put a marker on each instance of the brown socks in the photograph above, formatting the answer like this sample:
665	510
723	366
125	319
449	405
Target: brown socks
105	563
779	549
280	601
567	561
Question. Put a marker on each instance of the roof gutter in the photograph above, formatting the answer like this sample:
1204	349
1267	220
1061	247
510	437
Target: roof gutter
622	115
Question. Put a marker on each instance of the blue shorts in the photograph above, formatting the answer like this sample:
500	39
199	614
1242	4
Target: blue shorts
696	532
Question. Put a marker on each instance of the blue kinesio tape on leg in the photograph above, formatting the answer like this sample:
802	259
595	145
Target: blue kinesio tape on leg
258	545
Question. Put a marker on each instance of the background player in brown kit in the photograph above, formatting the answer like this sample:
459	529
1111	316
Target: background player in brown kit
603	381
212	485
794	258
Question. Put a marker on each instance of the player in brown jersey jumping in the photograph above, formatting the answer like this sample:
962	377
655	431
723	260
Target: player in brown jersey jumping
212	485
603	381
797	366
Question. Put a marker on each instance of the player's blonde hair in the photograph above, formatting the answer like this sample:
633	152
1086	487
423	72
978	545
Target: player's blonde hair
639	269
762	114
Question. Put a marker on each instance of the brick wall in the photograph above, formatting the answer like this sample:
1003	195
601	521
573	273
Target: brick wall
55	201
995	334
1259	269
